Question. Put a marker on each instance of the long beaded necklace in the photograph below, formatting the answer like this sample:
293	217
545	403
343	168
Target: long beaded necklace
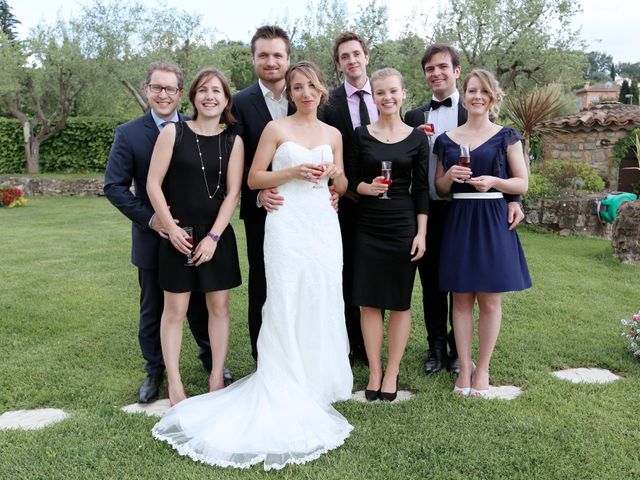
204	173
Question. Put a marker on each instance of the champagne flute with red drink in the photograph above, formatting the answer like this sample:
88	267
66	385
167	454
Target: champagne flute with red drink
465	156
189	238
428	125
385	172
318	166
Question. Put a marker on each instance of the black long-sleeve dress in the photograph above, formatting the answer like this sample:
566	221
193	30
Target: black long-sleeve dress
383	271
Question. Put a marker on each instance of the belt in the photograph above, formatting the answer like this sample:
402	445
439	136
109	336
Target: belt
477	196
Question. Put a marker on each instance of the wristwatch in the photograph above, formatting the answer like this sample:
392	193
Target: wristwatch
213	236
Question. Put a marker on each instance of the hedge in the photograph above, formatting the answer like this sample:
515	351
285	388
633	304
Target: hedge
83	146
624	145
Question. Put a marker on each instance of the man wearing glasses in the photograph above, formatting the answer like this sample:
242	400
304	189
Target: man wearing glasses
128	164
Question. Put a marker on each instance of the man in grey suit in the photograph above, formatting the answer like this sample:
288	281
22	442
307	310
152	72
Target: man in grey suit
441	67
128	164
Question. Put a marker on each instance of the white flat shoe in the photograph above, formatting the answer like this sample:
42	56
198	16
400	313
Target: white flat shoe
461	391
479	393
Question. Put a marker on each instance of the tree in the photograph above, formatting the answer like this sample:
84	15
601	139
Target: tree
599	66
121	39
625	90
631	70
524	42
8	21
44	80
528	110
634	92
312	36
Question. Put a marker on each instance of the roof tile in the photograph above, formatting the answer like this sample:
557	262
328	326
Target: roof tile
613	114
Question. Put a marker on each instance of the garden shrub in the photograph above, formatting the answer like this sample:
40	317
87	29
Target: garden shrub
571	176
11	146
625	144
540	187
83	146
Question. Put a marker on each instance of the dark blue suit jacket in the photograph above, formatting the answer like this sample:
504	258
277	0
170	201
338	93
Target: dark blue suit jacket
128	164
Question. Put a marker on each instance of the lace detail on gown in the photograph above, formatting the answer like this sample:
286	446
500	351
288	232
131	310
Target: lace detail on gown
282	414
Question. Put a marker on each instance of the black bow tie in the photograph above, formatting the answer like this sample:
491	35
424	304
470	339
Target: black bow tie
435	104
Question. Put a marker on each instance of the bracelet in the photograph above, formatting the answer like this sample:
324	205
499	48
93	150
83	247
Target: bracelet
213	236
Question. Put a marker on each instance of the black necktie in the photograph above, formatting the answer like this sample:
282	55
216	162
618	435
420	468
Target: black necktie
435	104
364	112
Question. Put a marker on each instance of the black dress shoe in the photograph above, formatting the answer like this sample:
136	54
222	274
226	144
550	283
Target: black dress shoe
150	388
228	377
434	362
454	365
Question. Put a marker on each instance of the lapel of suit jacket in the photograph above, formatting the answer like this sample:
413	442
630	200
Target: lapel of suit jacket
151	129
259	103
343	105
462	113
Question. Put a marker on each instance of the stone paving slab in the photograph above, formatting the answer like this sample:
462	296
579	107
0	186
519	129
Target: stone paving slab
587	375
31	419
402	396
504	392
153	409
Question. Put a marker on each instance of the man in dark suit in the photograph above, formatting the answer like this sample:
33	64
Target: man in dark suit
441	67
350	105
253	108
129	163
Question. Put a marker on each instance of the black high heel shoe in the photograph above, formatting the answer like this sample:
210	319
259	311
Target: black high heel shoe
389	396
373	395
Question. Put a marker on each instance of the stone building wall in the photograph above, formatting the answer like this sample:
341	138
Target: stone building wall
593	146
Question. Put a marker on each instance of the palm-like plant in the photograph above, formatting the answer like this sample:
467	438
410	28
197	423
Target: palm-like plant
528	111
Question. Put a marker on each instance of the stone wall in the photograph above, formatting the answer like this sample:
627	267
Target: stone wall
626	233
592	146
575	216
56	186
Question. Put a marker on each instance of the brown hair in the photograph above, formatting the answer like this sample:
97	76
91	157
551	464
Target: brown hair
441	48
348	37
386	73
203	76
165	67
490	84
313	73
270	32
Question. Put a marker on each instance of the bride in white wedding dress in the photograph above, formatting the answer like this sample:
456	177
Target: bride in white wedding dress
282	413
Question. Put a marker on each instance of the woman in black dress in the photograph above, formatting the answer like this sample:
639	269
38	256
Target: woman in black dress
391	233
194	177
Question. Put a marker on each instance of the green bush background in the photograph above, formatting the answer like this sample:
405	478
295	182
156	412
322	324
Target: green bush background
83	146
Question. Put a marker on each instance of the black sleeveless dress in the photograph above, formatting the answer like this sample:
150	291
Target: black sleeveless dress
186	193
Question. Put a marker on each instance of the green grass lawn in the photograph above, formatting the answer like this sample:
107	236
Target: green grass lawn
68	339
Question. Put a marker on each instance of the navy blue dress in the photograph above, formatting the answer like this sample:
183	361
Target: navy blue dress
479	253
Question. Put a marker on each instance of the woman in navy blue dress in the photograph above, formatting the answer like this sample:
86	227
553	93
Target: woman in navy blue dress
480	256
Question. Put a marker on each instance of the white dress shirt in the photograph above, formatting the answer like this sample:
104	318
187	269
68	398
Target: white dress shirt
443	119
277	108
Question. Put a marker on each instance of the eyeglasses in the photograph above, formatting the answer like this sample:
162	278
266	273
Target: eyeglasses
159	88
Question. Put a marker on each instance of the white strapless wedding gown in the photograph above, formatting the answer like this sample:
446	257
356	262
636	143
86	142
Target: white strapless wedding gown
281	413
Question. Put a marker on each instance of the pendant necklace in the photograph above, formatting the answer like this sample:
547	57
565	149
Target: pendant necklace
204	174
